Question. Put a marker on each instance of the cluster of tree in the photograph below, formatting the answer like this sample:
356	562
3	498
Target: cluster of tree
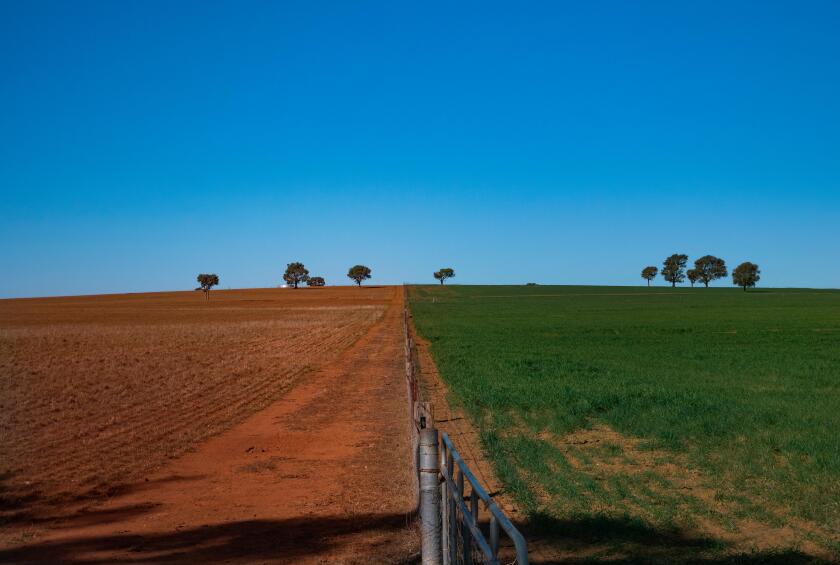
443	274
296	274
706	269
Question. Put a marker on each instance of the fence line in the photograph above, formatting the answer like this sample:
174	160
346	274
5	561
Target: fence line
451	532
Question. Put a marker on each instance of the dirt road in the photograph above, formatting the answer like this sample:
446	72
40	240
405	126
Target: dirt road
321	475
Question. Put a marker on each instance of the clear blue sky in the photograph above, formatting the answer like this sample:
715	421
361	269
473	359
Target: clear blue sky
562	142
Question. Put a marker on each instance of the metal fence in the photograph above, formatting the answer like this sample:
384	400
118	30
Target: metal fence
449	495
466	537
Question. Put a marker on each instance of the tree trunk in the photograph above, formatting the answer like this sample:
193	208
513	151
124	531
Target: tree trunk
441	282
674	284
706	283
648	283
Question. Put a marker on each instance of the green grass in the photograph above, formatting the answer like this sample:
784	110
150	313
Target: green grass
741	390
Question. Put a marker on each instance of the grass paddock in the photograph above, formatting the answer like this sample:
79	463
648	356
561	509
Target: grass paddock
711	414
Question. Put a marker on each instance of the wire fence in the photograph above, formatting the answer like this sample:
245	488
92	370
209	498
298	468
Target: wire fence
453	529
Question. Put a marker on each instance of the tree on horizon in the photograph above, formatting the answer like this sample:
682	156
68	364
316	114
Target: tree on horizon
693	276
673	268
710	268
206	282
295	274
315	281
746	275
358	273
444	274
649	273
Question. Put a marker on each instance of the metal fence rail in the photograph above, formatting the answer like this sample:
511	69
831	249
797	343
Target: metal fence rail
451	530
464	539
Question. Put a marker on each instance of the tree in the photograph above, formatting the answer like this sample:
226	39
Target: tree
315	281
693	276
295	274
444	274
746	274
673	268
206	282
649	273
710	268
359	273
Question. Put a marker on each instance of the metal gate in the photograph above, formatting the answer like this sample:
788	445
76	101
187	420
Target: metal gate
466	538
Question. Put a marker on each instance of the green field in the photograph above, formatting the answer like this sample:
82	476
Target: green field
655	424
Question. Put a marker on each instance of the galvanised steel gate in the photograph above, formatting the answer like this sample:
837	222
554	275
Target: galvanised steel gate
465	538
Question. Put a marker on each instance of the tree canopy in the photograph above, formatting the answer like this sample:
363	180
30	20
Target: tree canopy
206	282
315	281
358	273
649	273
709	268
746	275
444	274
295	274
673	268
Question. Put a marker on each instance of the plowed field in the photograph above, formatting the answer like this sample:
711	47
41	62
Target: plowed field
96	392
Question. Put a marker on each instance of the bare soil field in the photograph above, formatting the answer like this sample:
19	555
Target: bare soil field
319	475
97	392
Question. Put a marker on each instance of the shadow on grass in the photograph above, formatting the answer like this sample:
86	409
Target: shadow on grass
601	539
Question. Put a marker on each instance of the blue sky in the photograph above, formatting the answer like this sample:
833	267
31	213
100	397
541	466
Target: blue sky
570	143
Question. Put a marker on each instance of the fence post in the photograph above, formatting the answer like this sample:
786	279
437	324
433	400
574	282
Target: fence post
429	497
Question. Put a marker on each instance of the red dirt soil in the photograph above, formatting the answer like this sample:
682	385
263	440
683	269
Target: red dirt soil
320	475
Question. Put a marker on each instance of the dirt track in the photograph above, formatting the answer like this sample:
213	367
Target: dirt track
319	476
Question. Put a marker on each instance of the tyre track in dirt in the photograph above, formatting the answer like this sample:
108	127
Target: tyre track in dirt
92	407
321	475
